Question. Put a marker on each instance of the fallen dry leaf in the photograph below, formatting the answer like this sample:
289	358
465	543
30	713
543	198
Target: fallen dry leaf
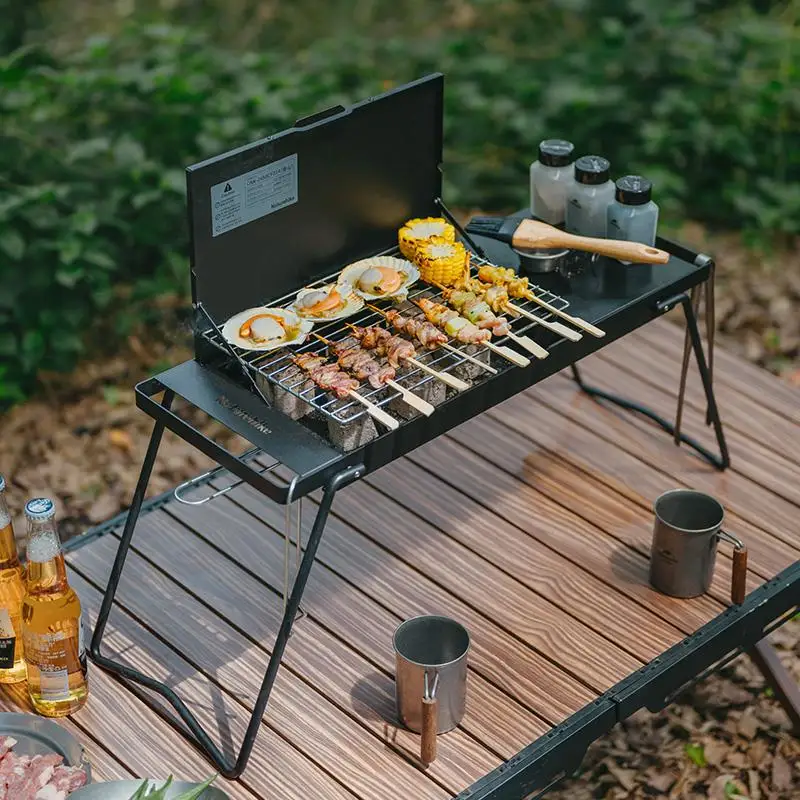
781	773
121	439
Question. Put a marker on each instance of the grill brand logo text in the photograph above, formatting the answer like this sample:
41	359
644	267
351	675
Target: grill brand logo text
242	414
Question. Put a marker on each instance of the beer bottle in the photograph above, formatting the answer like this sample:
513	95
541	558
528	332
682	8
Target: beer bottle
12	590
51	620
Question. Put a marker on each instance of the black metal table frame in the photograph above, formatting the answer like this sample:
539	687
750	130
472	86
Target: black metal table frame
545	759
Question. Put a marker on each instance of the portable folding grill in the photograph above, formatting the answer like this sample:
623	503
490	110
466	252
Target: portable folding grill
292	210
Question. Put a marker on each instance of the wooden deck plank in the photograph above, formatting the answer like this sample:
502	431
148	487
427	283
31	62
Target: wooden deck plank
461	759
272	759
104	766
493	717
758	488
574	438
522	672
747	416
730	370
582	542
299	712
598	603
750	457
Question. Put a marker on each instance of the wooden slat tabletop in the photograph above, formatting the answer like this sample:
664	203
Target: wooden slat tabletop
530	524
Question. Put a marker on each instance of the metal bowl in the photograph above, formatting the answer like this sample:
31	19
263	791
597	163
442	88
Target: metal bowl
124	790
40	736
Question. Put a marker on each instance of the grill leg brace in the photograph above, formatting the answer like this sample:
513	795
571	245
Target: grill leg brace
721	461
196	734
787	692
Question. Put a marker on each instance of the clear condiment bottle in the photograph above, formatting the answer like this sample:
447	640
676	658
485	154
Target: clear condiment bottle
12	590
589	196
633	216
51	620
551	177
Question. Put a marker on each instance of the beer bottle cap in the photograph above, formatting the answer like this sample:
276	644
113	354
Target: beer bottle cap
40	509
2	483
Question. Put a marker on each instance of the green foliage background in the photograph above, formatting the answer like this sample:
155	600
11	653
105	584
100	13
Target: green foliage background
702	96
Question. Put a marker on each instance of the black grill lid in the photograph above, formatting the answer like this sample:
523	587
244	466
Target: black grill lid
272	216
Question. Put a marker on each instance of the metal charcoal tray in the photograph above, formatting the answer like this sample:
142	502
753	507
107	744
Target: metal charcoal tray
277	367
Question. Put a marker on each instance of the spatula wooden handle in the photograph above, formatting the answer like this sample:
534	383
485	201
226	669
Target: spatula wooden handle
531	234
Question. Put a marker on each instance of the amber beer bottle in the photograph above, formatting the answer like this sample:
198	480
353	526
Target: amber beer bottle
51	620
12	590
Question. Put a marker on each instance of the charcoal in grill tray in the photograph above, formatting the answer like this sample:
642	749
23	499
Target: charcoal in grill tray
468	371
284	400
350	435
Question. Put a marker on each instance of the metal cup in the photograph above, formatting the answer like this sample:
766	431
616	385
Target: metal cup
688	525
431	677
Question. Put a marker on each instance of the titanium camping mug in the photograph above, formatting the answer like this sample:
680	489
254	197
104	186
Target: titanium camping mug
687	527
431	677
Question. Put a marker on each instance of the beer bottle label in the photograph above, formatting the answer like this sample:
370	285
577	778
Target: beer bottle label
7	640
52	652
54	684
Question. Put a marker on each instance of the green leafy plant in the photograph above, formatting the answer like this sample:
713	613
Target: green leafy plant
695	753
698	95
145	793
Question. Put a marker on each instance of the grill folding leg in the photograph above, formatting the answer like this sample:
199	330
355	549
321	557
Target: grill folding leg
196	733
787	692
721	461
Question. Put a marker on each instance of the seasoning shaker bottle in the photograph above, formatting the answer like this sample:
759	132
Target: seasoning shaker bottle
589	197
633	215
551	176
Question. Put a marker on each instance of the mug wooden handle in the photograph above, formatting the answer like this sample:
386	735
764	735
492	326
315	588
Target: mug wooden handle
739	576
430	724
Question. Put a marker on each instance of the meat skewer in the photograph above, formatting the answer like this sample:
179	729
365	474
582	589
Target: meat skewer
419	328
415	324
330	378
465	331
496	295
475	307
363	366
393	348
518	287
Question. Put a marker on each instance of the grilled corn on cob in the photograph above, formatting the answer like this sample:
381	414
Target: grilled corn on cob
441	261
417	231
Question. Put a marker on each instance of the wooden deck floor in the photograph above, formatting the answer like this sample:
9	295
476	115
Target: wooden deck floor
530	524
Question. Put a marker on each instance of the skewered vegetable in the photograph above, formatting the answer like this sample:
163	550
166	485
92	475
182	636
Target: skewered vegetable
425	332
475	308
326	375
503	276
417	231
452	323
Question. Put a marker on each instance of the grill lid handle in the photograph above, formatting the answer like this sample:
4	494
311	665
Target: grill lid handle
304	122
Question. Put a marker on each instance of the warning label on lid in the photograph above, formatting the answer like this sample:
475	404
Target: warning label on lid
255	194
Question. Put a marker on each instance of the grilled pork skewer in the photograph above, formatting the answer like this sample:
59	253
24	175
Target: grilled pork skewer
329	377
363	366
518	287
475	307
398	349
496	295
462	329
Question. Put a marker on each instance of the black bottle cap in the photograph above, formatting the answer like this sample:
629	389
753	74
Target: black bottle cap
634	190
592	169
555	152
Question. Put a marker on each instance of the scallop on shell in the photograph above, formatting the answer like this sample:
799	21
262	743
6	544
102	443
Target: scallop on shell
271	320
364	276
351	302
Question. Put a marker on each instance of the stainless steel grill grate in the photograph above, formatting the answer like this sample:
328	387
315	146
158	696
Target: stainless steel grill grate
275	369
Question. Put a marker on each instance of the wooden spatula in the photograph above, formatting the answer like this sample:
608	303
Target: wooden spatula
529	233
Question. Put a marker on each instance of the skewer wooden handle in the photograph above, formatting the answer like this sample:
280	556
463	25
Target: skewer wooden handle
375	412
444	377
532	234
430	720
556	327
509	355
578	322
532	347
415	401
468	357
